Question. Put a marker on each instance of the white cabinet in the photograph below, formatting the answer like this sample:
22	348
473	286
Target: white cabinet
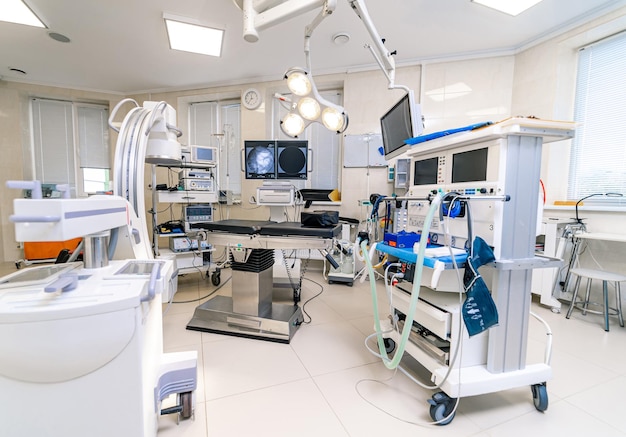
554	242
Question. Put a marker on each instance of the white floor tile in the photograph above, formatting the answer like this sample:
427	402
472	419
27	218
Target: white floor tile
330	347
369	403
605	401
561	418
176	334
237	365
292	409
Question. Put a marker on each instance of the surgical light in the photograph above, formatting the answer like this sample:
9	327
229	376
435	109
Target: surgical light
334	120
307	106
298	82
292	124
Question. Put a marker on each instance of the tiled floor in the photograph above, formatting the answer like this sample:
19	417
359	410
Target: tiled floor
326	383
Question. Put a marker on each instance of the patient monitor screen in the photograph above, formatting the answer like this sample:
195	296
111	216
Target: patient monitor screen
469	166
425	171
260	160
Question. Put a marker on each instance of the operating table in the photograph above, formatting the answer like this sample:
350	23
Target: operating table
250	312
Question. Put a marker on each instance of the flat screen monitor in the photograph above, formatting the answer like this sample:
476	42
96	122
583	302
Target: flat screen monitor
203	154
470	166
425	171
401	122
291	159
260	159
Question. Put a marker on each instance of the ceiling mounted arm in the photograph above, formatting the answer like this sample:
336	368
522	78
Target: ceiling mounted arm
261	14
383	57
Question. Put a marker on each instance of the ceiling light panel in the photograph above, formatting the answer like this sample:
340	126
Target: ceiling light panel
194	38
508	6
16	11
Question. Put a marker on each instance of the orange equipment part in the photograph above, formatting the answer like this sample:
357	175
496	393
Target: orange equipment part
48	249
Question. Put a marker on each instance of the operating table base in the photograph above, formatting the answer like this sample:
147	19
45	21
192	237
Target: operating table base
217	316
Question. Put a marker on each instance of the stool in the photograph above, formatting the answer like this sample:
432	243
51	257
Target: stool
605	277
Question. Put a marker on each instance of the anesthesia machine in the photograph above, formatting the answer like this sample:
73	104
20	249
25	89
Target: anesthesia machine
477	206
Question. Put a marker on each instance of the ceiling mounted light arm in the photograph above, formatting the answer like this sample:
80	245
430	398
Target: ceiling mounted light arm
383	57
261	14
327	8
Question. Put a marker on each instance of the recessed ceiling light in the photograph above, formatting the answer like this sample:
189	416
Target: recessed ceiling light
194	38
507	6
16	11
58	37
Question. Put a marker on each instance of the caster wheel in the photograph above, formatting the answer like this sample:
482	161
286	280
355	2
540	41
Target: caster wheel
185	399
390	345
215	278
442	408
540	396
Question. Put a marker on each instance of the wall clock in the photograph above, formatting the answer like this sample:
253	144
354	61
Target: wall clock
251	98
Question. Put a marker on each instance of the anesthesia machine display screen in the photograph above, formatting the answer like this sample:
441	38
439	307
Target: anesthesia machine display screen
470	166
271	159
425	171
401	122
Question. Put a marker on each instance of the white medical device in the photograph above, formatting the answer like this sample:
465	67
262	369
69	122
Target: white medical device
86	339
275	194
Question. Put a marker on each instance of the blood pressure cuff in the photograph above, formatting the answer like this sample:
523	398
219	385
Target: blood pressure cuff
319	219
479	310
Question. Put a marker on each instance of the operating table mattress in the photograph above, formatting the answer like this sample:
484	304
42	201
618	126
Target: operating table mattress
296	229
236	226
270	228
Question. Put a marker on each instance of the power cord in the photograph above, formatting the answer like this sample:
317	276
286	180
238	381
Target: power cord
309	300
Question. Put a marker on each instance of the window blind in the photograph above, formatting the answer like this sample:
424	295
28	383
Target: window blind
598	158
93	136
53	142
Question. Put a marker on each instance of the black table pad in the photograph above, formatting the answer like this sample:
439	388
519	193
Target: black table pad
295	229
237	226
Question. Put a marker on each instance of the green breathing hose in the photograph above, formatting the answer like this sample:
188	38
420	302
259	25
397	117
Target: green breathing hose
417	279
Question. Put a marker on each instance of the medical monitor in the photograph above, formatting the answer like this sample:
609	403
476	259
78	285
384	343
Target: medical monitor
260	159
425	171
291	159
276	159
401	122
203	154
470	166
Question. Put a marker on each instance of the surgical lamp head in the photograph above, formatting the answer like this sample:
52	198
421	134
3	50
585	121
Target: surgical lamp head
307	106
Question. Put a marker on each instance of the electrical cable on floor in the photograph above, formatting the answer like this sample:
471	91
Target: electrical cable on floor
206	296
310	299
384	382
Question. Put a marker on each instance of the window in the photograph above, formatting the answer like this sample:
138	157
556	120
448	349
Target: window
218	124
70	145
598	160
325	147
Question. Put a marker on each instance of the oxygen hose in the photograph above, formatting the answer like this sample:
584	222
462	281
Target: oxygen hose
419	265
